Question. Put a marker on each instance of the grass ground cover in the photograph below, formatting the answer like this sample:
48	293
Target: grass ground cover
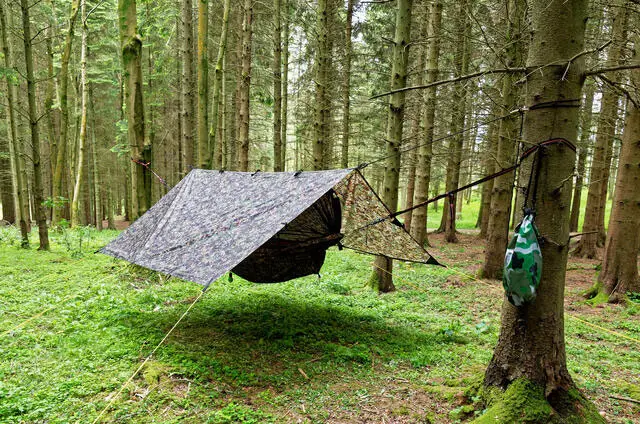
310	350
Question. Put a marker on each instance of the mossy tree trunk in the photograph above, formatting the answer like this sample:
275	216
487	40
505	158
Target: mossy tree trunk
131	45
619	273
531	346
285	82
418	227
382	272
218	75
491	152
500	206
38	207
82	142
599	177
63	78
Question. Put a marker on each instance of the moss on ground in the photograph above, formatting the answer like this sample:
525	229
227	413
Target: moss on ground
525	402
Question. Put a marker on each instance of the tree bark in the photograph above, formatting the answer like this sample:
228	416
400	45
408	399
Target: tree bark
285	83
63	78
459	98
277	87
98	191
321	107
218	75
619	274
489	168
498	225
244	87
599	177
204	155
131	45
79	182
583	147
187	113
425	151
382	278
40	214
531	345
346	85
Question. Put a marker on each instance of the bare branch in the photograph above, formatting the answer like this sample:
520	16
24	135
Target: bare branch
599	71
452	80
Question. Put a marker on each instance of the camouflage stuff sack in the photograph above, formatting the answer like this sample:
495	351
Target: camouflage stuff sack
522	263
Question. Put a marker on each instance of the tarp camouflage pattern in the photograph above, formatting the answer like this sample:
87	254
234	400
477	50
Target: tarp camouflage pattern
265	226
522	263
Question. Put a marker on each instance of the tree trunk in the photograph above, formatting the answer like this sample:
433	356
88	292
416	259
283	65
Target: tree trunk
277	87
459	99
531	348
382	278
583	146
619	274
425	151
75	215
322	104
218	75
498	226
97	186
132	68
187	87
346	85
245	85
487	187
598	180
63	78
204	155
285	84
40	214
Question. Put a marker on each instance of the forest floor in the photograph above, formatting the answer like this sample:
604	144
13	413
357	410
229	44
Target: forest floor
309	350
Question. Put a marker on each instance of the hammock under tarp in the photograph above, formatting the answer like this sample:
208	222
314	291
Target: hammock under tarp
266	227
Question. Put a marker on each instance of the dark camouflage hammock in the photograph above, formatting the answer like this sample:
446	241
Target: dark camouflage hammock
265	227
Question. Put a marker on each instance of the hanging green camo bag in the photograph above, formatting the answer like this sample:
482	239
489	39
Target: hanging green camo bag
523	263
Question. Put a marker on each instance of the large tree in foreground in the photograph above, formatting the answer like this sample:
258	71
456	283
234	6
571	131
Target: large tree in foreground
382	272
529	361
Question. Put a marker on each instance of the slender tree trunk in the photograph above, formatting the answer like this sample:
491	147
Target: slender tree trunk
459	98
277	87
63	142
187	113
218	78
382	278
321	106
15	150
598	180
132	68
98	191
346	86
531	346
204	155
285	83
425	152
583	146
487	187
498	226
75	215
40	214
245	85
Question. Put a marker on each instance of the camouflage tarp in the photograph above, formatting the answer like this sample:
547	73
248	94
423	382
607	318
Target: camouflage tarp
265	226
522	263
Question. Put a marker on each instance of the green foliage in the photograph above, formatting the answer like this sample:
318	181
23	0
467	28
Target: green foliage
234	413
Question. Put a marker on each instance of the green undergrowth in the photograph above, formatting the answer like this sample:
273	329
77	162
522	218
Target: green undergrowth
312	349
